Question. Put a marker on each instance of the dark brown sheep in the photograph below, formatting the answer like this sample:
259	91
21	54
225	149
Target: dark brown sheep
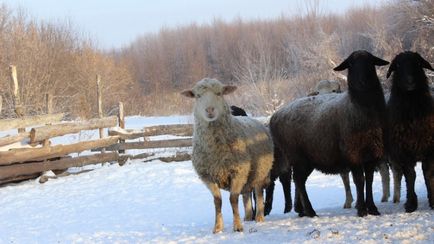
410	123
336	133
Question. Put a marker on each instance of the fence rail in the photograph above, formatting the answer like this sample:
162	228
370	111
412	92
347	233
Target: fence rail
18	162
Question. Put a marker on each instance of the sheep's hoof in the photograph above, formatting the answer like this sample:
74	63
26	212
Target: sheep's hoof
384	199
410	206
309	214
298	208
373	211
347	205
267	209
217	229
267	212
287	208
248	218
259	219
362	212
396	200
238	228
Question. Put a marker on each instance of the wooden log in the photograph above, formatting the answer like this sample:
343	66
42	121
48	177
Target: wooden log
19	178
126	134
7	140
7	124
22	155
15	170
1	104
178	130
50	131
45	178
178	157
149	145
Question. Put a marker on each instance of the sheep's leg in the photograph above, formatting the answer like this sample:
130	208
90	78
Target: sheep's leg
348	196
215	191
248	208
259	204
397	177
410	178
428	174
300	177
359	181
285	179
383	168
369	176
269	191
298	207
233	198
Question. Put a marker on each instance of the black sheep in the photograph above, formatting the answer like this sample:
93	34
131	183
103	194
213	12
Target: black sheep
410	123
336	133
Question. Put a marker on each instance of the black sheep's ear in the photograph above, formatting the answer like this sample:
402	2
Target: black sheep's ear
425	64
343	66
379	62
391	69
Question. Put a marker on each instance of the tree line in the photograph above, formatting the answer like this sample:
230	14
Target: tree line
272	61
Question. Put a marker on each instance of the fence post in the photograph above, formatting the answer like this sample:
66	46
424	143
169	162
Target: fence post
100	114
19	109
49	103
1	104
99	96
49	110
121	118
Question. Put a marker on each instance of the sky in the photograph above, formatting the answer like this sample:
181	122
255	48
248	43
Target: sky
116	23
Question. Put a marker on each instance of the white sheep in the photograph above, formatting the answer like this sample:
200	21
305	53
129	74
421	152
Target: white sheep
229	152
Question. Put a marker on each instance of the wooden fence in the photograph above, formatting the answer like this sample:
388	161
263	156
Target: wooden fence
38	154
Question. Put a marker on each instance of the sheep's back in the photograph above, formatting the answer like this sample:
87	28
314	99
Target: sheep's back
307	128
327	131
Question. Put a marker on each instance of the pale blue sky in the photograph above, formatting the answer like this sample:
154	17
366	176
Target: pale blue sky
115	23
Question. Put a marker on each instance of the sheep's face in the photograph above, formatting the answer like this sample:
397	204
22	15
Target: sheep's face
210	104
361	69
326	86
408	73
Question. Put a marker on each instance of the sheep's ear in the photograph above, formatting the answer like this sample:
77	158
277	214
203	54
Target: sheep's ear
391	69
380	62
228	89
188	93
425	64
343	66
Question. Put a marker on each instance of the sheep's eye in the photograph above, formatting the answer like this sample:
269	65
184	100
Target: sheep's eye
334	91
198	95
219	94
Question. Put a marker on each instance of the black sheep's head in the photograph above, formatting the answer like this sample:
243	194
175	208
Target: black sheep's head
361	70
408	73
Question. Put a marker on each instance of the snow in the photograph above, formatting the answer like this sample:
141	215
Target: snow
158	202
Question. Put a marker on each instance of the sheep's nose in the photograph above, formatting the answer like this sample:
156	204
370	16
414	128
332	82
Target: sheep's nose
210	111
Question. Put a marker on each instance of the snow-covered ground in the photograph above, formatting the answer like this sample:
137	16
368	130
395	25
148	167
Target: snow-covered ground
157	202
